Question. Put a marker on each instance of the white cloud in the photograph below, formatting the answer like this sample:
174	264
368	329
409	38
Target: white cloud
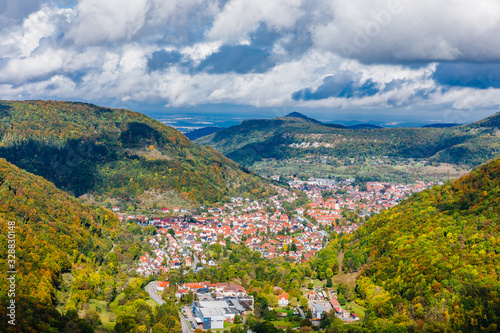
133	60
107	20
200	51
404	30
22	40
179	11
23	69
240	17
99	50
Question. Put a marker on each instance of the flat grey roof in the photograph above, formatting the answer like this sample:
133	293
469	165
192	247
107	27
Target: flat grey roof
207	312
319	307
213	304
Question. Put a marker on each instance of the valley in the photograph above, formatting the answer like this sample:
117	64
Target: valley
236	166
169	236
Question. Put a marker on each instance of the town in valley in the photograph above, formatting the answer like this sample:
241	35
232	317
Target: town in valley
295	224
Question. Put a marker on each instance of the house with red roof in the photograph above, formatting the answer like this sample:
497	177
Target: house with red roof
161	285
283	300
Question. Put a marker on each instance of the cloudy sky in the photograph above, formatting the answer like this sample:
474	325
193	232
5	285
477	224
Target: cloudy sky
438	58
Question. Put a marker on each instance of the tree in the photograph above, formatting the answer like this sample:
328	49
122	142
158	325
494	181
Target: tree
93	318
306	322
329	282
125	324
160	328
342	299
303	302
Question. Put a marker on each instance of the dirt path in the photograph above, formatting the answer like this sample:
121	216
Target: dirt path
349	278
112	250
340	258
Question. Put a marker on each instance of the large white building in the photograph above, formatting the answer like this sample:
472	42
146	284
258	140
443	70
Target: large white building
211	318
212	314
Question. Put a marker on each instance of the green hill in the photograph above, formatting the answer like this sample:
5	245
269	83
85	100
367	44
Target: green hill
300	116
283	138
432	263
198	133
54	233
87	149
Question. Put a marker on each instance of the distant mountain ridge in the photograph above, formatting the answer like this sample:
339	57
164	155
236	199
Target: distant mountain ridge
204	131
103	152
440	125
300	115
278	138
431	263
364	126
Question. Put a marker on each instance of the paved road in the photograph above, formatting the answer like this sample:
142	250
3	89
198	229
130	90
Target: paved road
195	258
151	290
195	262
184	324
301	313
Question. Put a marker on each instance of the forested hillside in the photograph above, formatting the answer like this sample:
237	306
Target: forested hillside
293	137
432	263
54	234
86	149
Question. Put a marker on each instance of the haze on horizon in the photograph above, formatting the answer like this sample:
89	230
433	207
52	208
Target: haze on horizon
436	61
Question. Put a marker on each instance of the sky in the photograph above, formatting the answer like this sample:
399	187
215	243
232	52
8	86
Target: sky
436	60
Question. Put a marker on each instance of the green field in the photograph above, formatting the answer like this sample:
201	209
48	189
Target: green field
107	317
113	305
285	324
357	309
289	313
152	303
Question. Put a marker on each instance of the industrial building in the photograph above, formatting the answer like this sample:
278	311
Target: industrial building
213	314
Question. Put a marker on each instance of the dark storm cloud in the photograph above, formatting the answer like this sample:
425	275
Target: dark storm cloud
263	37
241	59
162	59
342	85
473	75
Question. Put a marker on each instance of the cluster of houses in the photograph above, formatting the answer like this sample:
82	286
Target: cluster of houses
319	301
262	225
272	234
167	256
342	313
348	197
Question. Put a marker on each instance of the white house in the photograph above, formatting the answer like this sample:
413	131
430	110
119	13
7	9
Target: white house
283	300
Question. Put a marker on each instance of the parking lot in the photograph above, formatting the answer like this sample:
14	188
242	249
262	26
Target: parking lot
187	311
205	297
